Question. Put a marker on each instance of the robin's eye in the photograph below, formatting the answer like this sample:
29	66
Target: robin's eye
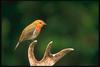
40	23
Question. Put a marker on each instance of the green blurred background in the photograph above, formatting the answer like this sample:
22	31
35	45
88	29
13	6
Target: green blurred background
70	24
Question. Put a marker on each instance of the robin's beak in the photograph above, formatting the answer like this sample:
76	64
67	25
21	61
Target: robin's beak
45	24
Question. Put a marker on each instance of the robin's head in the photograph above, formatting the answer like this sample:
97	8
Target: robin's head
39	23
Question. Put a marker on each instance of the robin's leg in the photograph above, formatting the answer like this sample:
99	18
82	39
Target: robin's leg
34	40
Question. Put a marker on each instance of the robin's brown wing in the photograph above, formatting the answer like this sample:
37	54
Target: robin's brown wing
26	34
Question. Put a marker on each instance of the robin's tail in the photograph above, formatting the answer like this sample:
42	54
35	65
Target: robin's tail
17	45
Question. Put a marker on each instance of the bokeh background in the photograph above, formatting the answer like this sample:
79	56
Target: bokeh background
70	24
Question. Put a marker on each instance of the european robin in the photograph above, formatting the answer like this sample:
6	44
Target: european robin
31	31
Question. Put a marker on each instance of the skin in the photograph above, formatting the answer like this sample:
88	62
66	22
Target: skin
31	31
